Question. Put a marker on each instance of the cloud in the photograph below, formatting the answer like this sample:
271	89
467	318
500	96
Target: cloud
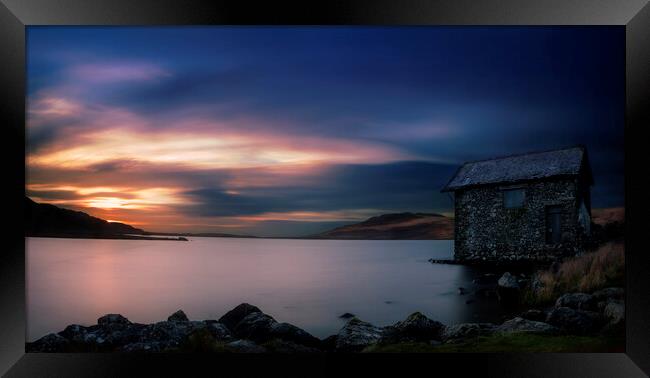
260	128
203	150
405	186
115	72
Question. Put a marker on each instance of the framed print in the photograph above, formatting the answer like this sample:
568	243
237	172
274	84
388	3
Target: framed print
375	184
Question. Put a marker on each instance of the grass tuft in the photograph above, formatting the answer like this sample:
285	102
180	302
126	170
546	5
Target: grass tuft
587	273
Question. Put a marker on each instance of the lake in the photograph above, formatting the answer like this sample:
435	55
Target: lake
308	283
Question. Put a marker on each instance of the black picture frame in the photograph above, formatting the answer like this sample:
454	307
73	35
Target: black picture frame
15	15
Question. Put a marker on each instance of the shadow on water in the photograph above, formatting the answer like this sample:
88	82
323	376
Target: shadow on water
476	298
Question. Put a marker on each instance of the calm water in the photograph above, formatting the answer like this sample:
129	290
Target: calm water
308	283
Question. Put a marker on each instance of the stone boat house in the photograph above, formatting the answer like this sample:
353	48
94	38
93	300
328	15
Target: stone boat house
535	206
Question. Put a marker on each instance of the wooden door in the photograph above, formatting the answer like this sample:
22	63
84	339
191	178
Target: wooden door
553	224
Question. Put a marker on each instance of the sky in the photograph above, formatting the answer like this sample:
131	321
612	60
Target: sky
290	131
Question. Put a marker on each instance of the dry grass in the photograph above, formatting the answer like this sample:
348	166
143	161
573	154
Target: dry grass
587	273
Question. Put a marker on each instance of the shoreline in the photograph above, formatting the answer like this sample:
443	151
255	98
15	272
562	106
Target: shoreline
107	237
246	329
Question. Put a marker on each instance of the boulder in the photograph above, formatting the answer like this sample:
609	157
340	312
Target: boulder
416	327
114	338
106	336
75	333
609	293
234	316
615	312
178	316
170	334
356	335
255	326
110	319
508	288
291	333
244	346
462	331
219	331
508	281
535	315
536	285
49	343
577	301
347	315
573	321
521	325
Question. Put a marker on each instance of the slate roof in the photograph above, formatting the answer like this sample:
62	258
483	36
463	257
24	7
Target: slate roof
510	169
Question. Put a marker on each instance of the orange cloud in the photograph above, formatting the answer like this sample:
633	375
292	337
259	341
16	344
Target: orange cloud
212	151
101	198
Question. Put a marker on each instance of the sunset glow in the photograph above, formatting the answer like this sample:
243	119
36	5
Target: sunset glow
280	131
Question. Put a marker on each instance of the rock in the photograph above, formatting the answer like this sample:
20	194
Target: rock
508	281
347	315
219	331
601	305
356	335
462	291
49	343
289	332
609	293
170	334
534	315
106	336
508	288
469	301
521	325
178	316
577	301
75	333
255	326
536	285
109	319
416	327
234	316
245	346
462	331
573	321
615	312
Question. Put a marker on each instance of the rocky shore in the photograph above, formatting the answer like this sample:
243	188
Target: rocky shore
246	329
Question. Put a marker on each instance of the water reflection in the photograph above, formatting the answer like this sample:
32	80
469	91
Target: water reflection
308	283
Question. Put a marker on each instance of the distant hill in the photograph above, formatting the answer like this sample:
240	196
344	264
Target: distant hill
48	220
604	216
400	226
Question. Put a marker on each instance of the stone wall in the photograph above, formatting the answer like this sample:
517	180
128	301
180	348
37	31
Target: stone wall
486	230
